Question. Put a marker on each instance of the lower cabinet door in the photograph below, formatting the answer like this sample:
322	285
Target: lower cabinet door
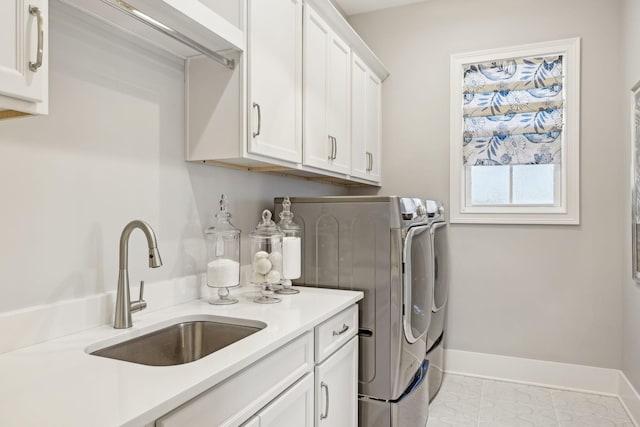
293	408
336	386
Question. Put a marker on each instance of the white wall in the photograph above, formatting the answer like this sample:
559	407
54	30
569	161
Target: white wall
631	290
110	151
542	292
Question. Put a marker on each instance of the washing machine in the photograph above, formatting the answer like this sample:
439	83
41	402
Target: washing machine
436	331
382	246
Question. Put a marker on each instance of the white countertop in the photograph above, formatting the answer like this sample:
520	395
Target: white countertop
57	383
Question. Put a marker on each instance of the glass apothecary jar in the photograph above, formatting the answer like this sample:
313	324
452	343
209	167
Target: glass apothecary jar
223	255
291	249
266	257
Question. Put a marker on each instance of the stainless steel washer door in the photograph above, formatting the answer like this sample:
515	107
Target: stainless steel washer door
418	280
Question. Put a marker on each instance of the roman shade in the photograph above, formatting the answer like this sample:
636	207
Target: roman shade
513	111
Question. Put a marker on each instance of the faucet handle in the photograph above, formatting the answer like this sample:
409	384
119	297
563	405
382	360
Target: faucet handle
141	304
141	291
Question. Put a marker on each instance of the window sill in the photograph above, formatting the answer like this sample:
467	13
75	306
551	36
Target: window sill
514	218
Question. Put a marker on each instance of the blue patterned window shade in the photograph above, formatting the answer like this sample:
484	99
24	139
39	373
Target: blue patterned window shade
513	112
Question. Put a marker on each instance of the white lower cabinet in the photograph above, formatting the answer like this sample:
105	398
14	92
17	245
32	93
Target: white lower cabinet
293	408
336	371
337	388
240	397
309	381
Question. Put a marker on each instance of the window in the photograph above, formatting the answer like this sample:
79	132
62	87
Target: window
515	134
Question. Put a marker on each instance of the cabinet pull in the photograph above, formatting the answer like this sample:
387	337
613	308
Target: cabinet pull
34	10
344	329
257	107
331	141
369	161
335	150
324	386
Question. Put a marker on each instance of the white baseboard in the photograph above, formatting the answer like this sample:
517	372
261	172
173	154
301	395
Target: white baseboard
566	376
531	371
630	398
32	325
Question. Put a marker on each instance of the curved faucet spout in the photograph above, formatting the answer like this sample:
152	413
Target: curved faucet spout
124	306
154	256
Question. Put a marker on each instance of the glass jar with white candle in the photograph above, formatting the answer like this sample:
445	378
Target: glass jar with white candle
223	255
291	249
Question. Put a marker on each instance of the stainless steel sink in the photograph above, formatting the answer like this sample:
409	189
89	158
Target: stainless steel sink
180	343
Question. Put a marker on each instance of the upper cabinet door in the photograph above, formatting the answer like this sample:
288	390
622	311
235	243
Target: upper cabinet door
327	109
366	94
275	79
23	54
359	157
317	144
339	113
373	126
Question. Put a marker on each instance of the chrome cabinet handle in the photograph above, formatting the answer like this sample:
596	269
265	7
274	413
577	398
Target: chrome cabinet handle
335	149
34	10
332	141
257	107
344	329
369	161
324	386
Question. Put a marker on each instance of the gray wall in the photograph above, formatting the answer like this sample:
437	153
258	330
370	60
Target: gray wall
631	290
110	151
542	292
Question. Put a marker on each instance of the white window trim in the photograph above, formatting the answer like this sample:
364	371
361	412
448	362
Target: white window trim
569	210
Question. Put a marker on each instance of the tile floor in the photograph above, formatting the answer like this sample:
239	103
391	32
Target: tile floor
474	402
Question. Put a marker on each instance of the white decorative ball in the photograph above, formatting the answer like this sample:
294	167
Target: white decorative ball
275	258
273	277
262	266
260	255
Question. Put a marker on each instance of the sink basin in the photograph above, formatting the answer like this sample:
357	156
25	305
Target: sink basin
179	343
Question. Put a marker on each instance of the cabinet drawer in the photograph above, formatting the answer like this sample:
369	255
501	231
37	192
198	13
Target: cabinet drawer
333	333
234	400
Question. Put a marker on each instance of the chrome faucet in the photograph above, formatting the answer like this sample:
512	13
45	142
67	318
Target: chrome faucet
124	306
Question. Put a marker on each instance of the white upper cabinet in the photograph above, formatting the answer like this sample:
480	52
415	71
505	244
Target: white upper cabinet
327	94
317	36
339	107
286	107
23	57
275	79
366	97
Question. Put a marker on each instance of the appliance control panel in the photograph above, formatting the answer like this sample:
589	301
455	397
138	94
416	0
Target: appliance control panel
414	210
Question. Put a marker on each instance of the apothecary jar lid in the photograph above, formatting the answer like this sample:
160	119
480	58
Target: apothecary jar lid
222	220
266	227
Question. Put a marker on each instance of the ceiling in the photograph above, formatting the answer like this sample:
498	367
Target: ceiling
354	7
